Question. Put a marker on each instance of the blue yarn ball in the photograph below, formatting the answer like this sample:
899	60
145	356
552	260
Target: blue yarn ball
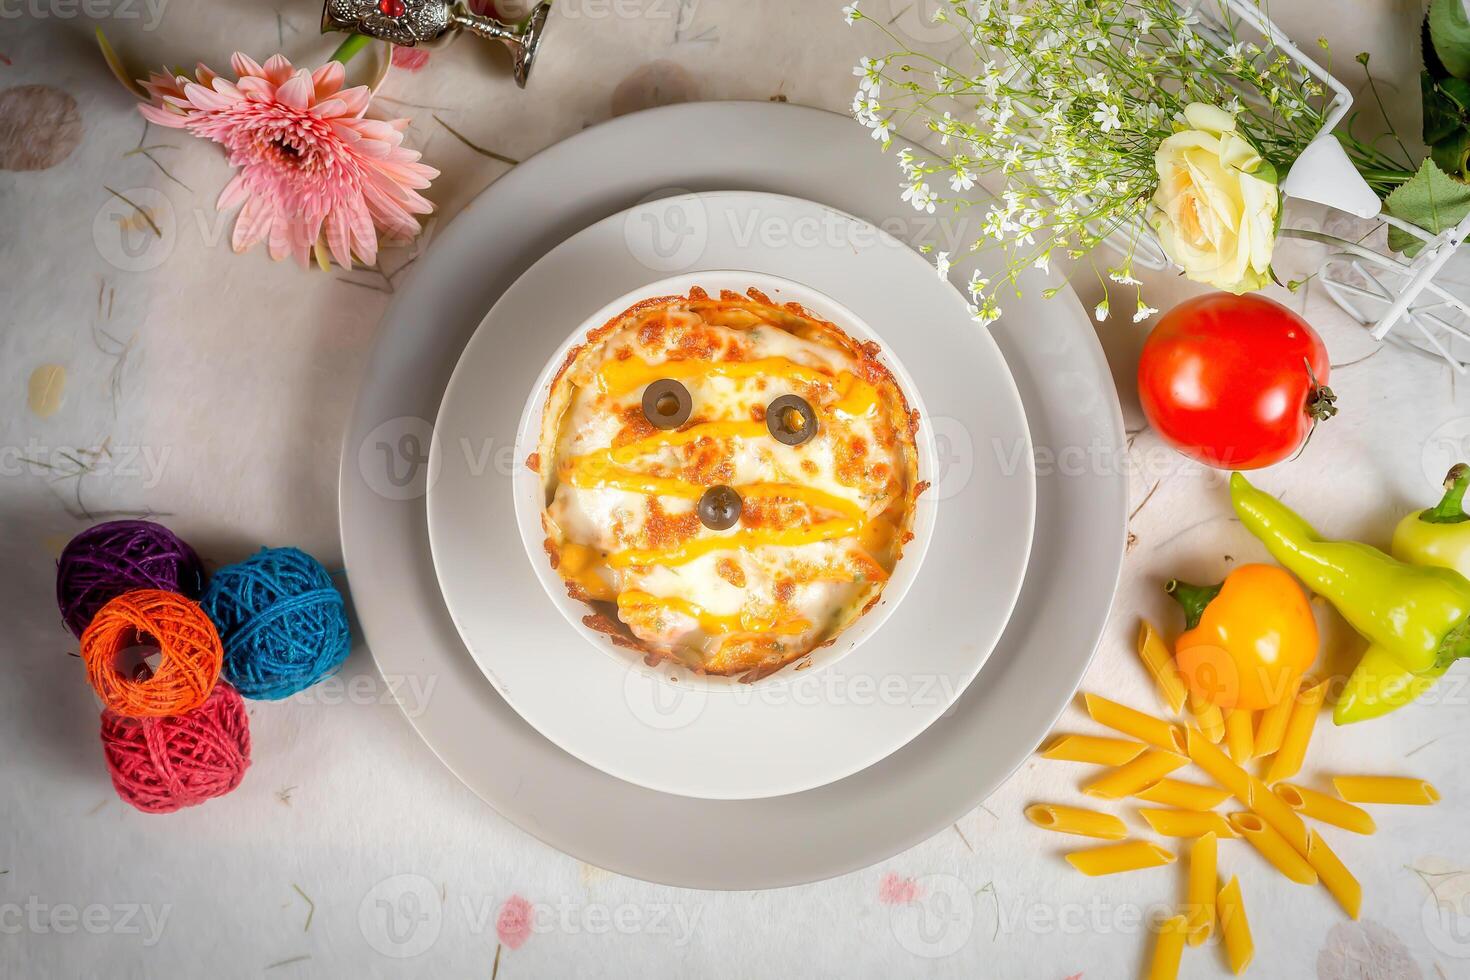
282	623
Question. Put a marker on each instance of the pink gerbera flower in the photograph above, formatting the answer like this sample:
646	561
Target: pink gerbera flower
311	168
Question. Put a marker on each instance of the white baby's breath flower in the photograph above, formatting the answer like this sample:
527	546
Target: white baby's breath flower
882	130
1097	83
1043	262
945	128
1123	276
851	13
977	284
1100	311
920	196
1144	312
941	264
961	179
1106	117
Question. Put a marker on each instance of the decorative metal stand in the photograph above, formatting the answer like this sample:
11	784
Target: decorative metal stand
409	23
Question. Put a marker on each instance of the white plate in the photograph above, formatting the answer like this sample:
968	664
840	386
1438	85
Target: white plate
1071	409
799	730
529	494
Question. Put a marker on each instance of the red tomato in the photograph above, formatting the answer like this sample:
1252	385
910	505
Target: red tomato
1236	382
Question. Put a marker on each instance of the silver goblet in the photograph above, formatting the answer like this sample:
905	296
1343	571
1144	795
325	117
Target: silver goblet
431	23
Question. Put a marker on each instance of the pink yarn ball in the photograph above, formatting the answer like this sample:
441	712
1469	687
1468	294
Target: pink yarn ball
160	765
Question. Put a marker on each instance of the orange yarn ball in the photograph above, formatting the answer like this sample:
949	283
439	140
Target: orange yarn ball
187	640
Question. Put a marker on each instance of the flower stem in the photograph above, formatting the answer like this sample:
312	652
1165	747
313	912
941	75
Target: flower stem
350	47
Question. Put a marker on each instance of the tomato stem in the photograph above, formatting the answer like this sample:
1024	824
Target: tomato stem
1321	402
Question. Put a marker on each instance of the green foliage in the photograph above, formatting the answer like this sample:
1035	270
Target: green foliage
1450	32
1432	200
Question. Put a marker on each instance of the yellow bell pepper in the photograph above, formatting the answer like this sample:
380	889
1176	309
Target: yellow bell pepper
1248	640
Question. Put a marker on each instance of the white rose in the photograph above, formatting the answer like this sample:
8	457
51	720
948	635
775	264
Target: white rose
1216	205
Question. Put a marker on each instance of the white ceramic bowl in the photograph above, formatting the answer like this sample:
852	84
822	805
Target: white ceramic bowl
529	500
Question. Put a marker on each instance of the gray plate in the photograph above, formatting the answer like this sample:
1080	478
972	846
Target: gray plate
1076	427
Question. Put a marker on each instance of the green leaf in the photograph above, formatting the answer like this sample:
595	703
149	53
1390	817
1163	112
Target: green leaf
1442	118
1432	200
1449	30
1453	154
1458	91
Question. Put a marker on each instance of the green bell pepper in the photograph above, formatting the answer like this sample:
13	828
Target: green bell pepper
1416	618
1440	535
1437	536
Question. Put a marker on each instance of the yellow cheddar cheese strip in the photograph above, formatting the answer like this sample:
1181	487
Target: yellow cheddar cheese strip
1161	666
686	552
1075	820
1248	790
1328	809
1131	777
1185	796
1272	726
679	437
579	564
1095	749
1274	848
1186	823
590	472
1287	761
1208	717
1168	949
1235	927
1240	735
1129	721
855	397
1200	891
1112	859
1385	789
712	622
1335	876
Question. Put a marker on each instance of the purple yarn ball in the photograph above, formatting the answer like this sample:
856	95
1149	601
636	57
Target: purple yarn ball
109	559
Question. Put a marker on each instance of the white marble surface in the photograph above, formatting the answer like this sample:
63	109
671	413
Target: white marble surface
220	385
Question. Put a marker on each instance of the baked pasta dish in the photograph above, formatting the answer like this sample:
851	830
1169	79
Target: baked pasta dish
728	482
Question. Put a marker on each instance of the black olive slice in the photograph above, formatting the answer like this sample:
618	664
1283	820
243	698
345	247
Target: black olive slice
791	420
719	508
666	404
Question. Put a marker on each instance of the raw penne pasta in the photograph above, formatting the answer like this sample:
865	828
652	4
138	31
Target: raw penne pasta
1092	748
1128	779
1272	726
1161	666
1328	809
1186	823
1168	949
1075	820
1129	721
1385	789
1185	796
1208	717
1287	761
1240	735
1235	927
1200	893
1249	790
1274	848
1114	858
1335	876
